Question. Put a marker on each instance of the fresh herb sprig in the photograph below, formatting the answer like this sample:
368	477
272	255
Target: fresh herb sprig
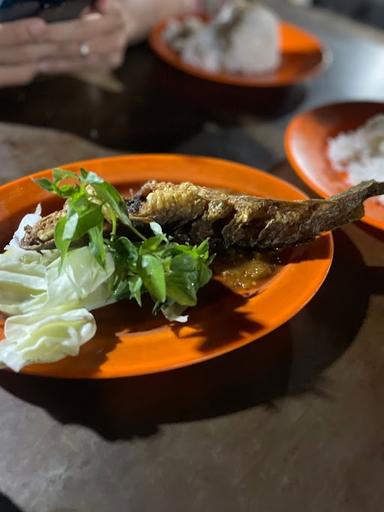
169	272
90	203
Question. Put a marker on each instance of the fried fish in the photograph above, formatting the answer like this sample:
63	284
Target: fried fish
192	213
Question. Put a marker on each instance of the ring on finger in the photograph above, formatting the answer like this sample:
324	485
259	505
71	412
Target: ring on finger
84	50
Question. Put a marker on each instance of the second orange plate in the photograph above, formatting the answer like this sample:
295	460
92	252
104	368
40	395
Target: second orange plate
303	56
306	142
129	340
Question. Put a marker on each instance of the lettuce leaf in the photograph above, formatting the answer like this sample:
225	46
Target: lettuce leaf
23	280
81	281
45	336
50	303
30	280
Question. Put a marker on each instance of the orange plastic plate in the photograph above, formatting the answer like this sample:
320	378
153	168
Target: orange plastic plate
129	340
306	143
303	56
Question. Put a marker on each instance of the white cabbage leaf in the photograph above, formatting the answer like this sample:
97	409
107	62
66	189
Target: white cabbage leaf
82	282
45	336
23	280
51	304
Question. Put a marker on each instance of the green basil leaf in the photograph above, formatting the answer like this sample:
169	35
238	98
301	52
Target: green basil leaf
61	243
203	250
68	190
111	217
184	264
121	288
80	202
179	249
60	174
204	275
44	183
182	281
181	290
135	284
130	252
108	194
70	226
83	174
90	218
96	244
152	274
152	244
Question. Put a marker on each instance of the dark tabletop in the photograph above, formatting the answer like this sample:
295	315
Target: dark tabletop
293	422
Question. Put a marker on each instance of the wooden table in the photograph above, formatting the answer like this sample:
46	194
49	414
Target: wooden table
293	422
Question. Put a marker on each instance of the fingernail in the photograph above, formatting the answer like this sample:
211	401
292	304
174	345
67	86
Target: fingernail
37	26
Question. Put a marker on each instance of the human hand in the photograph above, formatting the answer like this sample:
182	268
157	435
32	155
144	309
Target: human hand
95	40
21	49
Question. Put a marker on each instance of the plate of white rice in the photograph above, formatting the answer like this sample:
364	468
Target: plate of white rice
337	146
243	45
360	153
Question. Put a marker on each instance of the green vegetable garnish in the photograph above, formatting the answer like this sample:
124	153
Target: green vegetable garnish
169	272
90	202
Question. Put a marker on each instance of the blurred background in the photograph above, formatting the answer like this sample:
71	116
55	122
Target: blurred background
366	11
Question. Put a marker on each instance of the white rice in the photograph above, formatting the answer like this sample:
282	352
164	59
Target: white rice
255	44
360	153
241	39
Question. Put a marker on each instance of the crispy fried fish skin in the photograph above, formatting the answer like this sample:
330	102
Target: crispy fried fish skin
42	235
192	213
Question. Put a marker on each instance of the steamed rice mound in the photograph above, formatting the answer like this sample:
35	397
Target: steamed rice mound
240	39
360	153
255	44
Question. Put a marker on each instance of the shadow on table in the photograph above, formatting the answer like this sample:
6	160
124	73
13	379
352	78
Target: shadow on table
287	361
6	505
205	324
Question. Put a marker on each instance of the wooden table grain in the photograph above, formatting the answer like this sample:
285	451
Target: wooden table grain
293	422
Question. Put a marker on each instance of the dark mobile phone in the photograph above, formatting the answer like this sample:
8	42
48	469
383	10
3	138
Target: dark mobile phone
49	10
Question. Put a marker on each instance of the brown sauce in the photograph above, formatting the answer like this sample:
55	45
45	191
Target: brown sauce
245	271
